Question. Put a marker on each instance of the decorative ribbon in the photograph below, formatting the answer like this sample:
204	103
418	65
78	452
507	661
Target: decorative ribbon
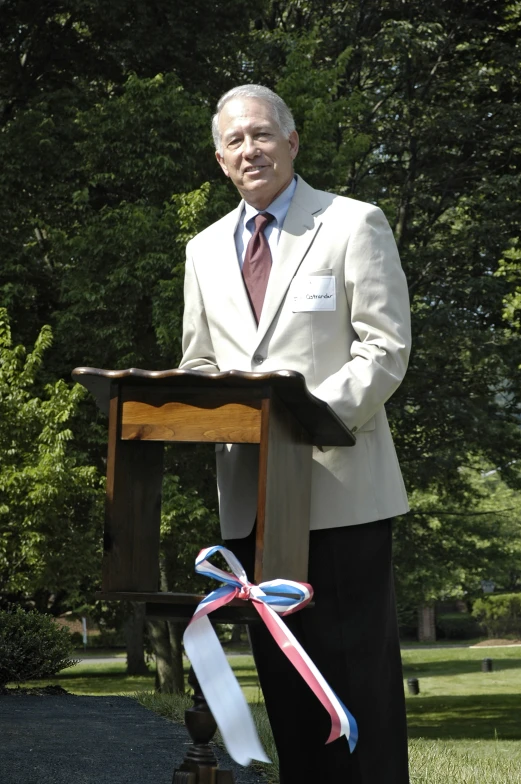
218	683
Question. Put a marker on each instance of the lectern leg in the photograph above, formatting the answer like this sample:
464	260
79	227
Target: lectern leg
200	765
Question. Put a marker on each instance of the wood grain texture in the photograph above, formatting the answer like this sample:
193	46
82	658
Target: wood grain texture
148	408
181	606
282	544
132	510
180	421
320	421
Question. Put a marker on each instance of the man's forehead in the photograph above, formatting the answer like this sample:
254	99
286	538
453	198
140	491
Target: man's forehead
248	112
245	124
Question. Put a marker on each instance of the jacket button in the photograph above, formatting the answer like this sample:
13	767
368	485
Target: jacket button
258	359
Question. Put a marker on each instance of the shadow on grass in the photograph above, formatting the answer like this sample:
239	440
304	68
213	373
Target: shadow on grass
87	681
483	717
112	679
457	666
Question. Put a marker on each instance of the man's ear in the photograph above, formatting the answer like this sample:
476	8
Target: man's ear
293	144
220	161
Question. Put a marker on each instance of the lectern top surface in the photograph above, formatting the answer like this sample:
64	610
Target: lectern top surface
321	422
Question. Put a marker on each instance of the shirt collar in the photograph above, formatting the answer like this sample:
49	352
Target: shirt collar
278	207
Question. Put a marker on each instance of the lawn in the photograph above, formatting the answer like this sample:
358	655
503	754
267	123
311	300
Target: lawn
109	678
101	680
465	725
457	700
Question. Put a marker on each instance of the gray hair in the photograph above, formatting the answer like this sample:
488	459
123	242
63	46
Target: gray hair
281	112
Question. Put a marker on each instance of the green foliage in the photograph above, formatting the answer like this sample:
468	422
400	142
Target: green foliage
188	523
457	626
415	107
315	89
510	268
49	529
107	170
444	548
77	639
31	646
107	638
500	614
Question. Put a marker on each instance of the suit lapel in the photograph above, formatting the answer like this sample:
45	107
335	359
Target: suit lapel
298	233
238	306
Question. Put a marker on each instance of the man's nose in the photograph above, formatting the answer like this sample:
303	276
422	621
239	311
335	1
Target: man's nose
250	148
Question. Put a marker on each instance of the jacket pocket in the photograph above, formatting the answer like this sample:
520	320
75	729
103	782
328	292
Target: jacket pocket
365	428
369	425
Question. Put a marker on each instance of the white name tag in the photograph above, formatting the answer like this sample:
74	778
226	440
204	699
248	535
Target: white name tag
313	292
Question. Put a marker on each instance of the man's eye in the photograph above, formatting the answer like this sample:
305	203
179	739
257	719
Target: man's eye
234	142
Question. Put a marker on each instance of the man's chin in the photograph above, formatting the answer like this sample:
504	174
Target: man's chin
258	194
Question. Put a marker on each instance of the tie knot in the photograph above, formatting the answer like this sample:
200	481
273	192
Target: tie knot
261	220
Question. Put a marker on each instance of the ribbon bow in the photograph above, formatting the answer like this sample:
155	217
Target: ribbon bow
218	683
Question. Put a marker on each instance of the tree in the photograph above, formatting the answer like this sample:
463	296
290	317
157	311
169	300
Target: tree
414	107
63	66
445	549
107	170
49	507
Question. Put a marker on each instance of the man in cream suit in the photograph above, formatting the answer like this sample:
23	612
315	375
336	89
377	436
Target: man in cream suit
353	352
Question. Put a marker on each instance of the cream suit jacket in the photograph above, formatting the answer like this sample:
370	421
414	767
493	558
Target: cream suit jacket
354	357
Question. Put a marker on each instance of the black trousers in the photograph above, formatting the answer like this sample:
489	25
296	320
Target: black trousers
352	636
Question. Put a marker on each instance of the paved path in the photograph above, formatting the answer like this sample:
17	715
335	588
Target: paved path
67	739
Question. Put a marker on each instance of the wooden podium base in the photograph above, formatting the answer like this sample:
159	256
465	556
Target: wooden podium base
200	765
147	409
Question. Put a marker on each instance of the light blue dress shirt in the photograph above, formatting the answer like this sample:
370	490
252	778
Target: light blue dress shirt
245	228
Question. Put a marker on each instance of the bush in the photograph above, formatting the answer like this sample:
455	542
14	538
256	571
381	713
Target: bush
500	614
31	646
107	638
457	626
77	639
407	621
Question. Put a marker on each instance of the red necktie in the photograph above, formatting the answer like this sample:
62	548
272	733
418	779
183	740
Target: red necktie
257	264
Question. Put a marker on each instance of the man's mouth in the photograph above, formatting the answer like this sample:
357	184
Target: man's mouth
254	169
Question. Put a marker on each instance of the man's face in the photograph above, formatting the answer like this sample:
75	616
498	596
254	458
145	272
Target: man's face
255	154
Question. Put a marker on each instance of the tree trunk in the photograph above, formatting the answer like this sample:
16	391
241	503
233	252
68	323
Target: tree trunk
427	624
160	640
166	639
134	628
236	635
175	631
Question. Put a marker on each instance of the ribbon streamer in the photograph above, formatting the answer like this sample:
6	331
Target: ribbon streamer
218	683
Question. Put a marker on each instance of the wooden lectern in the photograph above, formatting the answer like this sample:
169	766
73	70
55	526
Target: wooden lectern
147	409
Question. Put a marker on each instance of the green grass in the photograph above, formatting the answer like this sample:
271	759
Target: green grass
173	706
465	725
464	762
459	701
110	679
431	761
100	653
102	680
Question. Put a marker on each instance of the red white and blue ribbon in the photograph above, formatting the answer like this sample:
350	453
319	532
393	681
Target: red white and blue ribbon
218	683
